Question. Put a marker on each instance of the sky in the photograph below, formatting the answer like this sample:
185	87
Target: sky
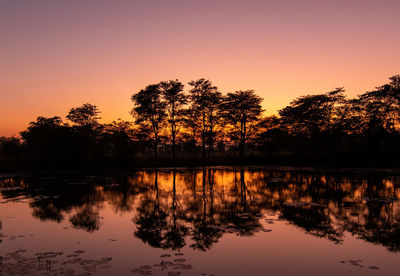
56	54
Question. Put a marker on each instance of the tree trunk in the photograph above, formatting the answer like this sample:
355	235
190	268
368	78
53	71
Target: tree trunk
155	146
203	137
173	146
173	131
243	136
211	138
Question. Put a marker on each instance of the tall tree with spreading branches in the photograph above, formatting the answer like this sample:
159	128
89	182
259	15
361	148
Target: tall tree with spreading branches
241	110
149	110
174	100
205	103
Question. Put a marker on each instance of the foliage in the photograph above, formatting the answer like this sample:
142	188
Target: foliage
84	115
149	112
241	110
324	128
204	111
175	100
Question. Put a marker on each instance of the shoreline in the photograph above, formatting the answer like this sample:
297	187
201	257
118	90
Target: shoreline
310	169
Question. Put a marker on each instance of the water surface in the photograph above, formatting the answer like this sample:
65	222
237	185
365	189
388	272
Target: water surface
206	221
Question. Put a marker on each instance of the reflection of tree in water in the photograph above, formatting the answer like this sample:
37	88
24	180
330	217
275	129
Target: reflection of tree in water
51	198
86	218
380	217
243	212
151	225
387	236
47	210
363	207
177	230
198	207
55	198
315	218
159	228
205	230
121	192
314	221
1	235
55	205
167	229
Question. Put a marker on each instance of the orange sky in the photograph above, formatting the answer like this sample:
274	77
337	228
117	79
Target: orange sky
58	54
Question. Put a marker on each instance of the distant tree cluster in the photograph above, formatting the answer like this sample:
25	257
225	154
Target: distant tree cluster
201	118
204	126
80	142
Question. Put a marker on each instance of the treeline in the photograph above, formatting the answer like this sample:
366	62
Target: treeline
201	125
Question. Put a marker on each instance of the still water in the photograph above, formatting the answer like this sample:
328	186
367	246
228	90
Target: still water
205	221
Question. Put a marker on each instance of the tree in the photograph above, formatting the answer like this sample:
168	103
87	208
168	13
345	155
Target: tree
84	115
149	110
11	150
241	110
382	107
349	118
191	129
271	137
118	141
175	100
311	114
205	103
86	132
46	122
49	142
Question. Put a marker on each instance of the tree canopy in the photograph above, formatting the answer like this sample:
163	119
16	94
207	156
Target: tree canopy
321	128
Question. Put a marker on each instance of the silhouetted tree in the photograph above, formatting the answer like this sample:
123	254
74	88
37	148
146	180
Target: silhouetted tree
118	141
271	136
175	99
241	110
48	142
322	128
382	107
312	121
205	102
350	118
149	110
84	115
9	145
191	128
11	152
312	114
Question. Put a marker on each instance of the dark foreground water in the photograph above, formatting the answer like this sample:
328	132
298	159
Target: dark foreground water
212	221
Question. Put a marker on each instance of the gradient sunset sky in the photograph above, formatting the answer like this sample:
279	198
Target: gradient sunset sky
55	55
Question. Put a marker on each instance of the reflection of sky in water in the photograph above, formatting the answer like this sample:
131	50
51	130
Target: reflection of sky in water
218	221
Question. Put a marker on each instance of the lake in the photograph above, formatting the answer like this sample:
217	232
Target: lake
202	221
